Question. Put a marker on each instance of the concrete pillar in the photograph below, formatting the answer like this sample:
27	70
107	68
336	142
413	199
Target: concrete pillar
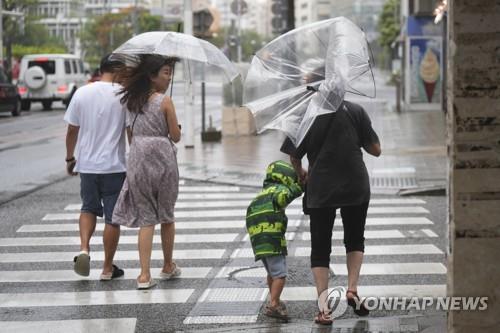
474	164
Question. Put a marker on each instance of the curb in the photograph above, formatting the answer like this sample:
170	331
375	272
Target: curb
36	188
431	190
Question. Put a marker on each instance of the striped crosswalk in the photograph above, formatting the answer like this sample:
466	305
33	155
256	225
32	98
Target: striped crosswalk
211	246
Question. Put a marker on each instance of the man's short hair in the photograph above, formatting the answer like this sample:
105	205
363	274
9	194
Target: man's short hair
109	64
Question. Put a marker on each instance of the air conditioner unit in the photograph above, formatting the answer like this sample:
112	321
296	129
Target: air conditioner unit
424	7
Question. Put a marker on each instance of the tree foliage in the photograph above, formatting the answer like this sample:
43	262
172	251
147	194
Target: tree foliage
102	34
389	23
20	50
25	31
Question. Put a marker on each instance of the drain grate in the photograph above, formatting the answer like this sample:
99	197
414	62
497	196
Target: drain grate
393	182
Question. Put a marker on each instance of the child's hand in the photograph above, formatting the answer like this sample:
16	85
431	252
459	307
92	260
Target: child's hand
302	177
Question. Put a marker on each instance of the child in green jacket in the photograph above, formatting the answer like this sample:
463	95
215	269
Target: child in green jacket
266	224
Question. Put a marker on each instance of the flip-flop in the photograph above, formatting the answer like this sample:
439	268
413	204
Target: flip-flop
278	312
362	311
176	272
146	285
82	264
322	319
115	274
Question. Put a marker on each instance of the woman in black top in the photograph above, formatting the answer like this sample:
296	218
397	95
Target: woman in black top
337	178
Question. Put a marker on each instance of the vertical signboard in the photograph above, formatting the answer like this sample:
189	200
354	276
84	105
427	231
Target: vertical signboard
425	69
423	64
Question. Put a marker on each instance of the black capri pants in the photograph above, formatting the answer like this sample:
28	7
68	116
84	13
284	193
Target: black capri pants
321	225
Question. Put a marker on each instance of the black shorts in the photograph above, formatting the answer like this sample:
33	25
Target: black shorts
321	225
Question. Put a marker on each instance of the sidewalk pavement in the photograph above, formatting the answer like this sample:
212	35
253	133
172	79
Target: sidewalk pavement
435	323
413	149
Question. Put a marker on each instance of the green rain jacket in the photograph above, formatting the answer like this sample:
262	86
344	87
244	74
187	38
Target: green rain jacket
266	221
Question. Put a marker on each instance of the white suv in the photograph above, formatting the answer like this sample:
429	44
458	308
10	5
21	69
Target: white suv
49	77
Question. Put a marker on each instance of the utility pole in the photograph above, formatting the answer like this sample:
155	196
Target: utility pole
1	33
239	31
162	24
188	85
135	19
2	13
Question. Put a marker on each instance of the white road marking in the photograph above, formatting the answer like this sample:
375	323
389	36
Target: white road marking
70	275
122	325
54	241
99	255
152	296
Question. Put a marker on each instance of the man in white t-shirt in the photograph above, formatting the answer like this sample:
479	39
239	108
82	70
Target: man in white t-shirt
96	128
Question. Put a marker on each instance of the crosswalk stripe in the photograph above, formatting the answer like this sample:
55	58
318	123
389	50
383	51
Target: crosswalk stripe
226	224
181	204
190	320
209	189
99	255
179	238
206	238
69	275
153	296
419	290
215	295
242	212
416	268
369	250
122	325
369	234
380	250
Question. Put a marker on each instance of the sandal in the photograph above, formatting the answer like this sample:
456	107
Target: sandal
323	319
82	264
146	285
115	274
362	310
176	272
278	312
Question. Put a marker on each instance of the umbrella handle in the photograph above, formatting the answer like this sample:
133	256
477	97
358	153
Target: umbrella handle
172	83
173	67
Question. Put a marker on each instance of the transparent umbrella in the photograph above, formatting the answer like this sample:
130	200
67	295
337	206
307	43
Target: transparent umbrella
202	61
305	73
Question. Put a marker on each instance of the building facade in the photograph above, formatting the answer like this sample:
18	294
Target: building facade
307	11
62	18
101	7
257	16
66	18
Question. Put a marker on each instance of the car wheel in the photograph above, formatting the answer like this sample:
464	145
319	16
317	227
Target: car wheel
25	105
16	111
47	105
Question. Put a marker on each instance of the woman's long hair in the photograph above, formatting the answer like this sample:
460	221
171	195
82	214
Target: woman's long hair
136	81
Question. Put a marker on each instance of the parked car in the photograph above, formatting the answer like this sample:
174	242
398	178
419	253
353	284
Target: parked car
49	77
9	97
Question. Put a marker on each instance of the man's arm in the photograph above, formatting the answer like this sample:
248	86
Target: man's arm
71	139
373	149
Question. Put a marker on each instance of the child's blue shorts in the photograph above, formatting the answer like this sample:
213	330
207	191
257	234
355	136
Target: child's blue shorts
275	266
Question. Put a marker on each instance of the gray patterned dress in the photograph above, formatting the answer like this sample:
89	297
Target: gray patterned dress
150	190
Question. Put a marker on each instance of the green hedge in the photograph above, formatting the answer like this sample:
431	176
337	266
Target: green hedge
20	50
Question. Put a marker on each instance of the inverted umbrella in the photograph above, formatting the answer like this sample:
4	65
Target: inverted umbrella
305	73
201	59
